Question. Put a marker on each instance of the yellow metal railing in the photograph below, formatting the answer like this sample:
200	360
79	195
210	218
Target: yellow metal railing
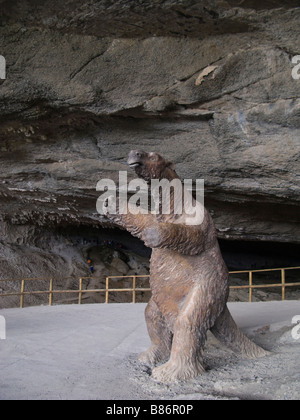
80	291
251	286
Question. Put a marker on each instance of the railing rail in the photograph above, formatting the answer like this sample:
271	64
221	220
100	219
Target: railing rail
80	291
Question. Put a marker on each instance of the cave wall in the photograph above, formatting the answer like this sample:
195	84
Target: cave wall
207	84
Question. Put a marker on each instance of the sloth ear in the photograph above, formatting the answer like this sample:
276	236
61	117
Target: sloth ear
171	165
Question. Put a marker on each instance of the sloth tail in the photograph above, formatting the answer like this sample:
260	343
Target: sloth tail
226	330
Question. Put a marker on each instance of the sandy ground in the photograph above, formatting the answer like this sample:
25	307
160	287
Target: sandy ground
90	352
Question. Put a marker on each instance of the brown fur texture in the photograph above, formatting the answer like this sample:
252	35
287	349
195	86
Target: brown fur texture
189	282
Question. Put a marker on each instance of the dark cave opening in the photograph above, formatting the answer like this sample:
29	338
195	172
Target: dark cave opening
238	255
251	255
62	252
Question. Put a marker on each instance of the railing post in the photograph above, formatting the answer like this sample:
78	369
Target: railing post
106	291
283	284
22	294
80	291
50	292
250	286
133	288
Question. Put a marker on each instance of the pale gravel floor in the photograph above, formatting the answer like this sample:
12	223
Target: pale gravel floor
90	352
